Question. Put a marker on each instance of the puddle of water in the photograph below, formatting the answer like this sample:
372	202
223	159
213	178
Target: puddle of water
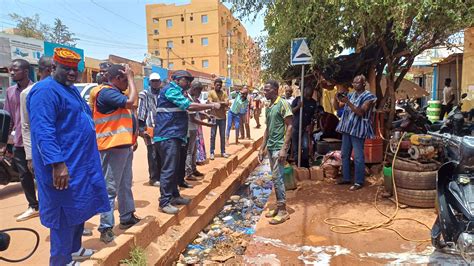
427	256
231	230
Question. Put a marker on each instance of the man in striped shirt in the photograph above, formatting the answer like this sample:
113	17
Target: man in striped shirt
355	126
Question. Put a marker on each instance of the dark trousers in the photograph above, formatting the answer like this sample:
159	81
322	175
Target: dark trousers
154	163
170	152
221	124
183	152
65	240
445	109
304	147
26	177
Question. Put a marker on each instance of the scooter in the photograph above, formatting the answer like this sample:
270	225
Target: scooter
453	230
455	123
8	171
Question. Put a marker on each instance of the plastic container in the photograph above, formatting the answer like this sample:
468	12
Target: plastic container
289	178
387	178
373	151
433	111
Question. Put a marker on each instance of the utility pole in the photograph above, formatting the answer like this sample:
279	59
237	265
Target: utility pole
168	52
229	58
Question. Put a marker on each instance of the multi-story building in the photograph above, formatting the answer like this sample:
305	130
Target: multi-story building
202	36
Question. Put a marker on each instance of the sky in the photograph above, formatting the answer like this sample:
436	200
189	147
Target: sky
103	26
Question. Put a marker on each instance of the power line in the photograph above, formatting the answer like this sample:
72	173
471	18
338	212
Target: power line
118	15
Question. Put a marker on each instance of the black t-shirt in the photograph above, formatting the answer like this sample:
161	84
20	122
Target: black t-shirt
309	107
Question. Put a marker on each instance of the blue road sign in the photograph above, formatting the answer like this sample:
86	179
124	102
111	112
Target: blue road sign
300	53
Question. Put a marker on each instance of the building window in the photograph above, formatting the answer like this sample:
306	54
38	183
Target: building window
169	44
170	65
205	41
204	19
205	63
191	17
156	20
182	18
192	61
222	21
169	23
157	53
183	62
156	32
182	41
192	40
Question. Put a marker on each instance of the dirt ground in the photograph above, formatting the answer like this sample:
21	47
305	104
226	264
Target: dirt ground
13	203
306	238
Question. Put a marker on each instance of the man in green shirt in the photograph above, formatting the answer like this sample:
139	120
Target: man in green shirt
276	141
240	103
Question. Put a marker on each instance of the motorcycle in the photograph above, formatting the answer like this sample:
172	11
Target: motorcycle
455	122
453	230
8	170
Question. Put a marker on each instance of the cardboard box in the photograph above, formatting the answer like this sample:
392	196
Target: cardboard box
316	173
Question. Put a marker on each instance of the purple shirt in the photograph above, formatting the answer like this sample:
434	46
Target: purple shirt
12	106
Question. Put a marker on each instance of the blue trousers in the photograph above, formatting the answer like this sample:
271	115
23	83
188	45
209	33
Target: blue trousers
65	240
350	143
170	153
117	169
220	123
231	117
304	147
277	176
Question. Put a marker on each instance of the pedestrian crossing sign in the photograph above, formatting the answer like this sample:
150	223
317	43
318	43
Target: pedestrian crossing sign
300	53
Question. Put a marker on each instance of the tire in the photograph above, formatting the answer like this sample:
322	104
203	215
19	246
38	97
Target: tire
410	165
417	198
415	180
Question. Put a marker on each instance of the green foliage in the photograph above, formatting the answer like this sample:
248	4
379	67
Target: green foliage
60	34
404	28
137	258
32	27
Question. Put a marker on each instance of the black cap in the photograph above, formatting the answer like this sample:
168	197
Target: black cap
182	74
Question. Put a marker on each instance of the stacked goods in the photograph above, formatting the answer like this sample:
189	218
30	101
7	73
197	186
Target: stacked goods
415	182
433	111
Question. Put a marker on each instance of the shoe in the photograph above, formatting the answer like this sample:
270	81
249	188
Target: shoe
197	173
271	213
131	222
87	232
82	254
211	156
107	236
154	183
185	185
180	201
225	155
355	187
280	218
169	209
28	214
192	178
343	182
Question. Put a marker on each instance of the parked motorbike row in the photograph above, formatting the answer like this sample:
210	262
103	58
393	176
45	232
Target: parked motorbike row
449	142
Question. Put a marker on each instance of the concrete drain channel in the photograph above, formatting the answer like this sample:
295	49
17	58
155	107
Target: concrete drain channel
228	234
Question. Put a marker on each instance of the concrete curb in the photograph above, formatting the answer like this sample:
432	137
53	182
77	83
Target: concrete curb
224	180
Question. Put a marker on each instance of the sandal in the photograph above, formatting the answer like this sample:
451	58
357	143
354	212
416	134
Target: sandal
280	218
82	254
271	213
355	187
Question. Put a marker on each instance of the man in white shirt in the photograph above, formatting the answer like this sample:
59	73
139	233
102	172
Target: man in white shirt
449	98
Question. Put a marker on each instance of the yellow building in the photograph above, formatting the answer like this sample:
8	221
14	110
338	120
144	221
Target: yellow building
203	36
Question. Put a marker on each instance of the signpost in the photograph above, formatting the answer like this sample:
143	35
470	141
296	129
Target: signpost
300	55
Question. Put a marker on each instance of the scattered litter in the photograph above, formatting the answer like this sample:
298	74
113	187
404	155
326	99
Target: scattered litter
262	259
230	231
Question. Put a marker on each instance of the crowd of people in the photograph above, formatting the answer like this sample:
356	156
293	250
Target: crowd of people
81	154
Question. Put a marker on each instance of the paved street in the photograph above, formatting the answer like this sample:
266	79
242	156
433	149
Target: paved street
13	203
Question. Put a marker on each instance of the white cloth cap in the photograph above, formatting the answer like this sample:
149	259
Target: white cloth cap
155	76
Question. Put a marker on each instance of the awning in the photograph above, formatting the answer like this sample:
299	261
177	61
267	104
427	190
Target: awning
407	89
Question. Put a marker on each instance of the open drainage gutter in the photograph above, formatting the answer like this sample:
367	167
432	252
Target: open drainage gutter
230	231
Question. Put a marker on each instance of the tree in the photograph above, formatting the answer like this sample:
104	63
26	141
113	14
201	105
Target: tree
60	34
391	32
30	27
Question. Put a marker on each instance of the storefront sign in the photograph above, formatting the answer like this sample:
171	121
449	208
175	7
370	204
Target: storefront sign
26	48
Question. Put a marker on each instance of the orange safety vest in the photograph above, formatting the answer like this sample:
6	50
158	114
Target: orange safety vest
114	129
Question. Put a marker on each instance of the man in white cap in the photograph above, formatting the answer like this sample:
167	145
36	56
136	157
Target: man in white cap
146	113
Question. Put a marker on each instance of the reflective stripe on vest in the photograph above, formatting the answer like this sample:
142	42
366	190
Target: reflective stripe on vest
169	110
112	117
114	132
